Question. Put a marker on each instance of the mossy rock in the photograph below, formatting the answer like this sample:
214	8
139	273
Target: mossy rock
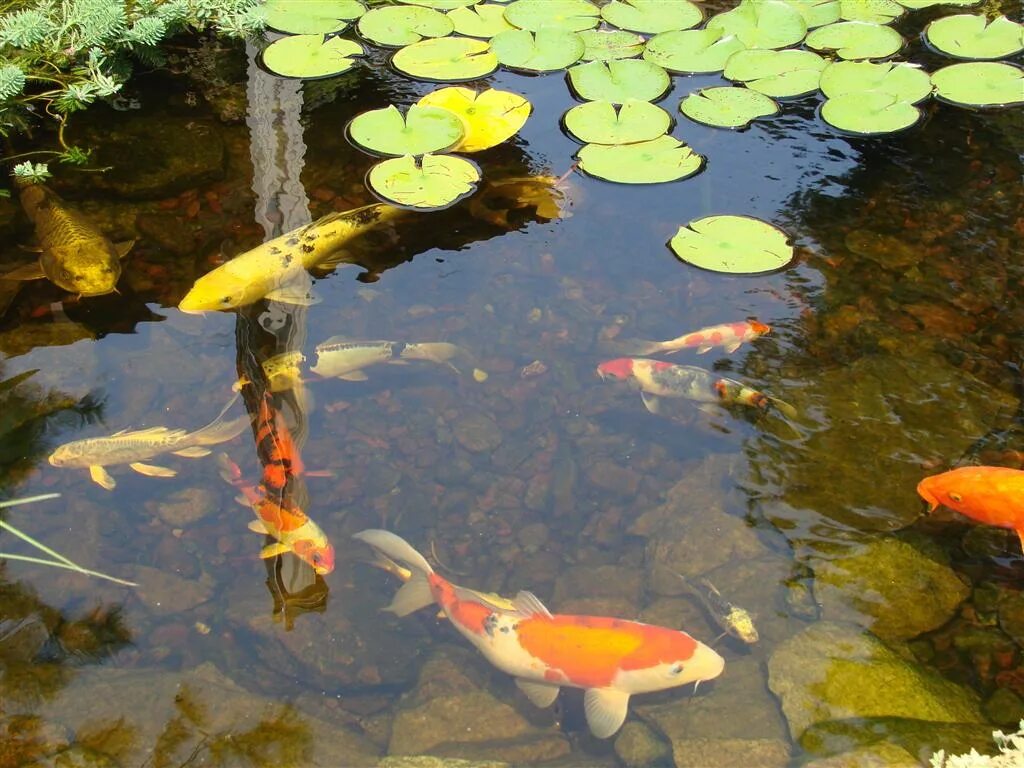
920	738
879	755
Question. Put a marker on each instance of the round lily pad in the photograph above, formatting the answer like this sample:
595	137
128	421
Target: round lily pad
652	16
856	40
489	117
905	82
421	130
485	20
916	5
448	59
646	162
980	84
762	24
311	17
817	13
736	245
967	36
869	113
875	11
619	80
442	5
546	50
692	50
398	25
727	107
599	122
573	15
310	56
779	74
429	183
605	45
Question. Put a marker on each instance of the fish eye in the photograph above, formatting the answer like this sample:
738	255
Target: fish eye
317	559
955	496
226	300
676	669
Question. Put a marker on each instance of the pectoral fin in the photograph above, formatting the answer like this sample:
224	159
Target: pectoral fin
100	476
33	271
123	248
541	694
605	709
294	295
730	348
273	550
195	452
151	470
651	403
257	526
353	376
703	348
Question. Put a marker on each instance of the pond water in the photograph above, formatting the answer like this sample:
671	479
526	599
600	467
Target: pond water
896	337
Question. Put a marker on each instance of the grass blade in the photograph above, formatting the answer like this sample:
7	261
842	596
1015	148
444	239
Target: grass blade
28	500
38	545
68	565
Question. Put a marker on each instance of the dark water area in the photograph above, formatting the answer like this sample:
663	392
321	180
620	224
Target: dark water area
896	337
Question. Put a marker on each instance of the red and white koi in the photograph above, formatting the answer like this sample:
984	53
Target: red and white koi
611	659
730	336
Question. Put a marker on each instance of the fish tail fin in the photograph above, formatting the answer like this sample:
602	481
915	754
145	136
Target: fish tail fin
415	593
634	347
219	430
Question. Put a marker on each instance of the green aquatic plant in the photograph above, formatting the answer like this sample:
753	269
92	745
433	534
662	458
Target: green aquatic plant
310	56
737	245
573	15
652	16
546	50
485	20
311	17
692	50
856	40
429	182
446	59
608	44
599	122
779	74
420	131
619	80
967	36
396	25
980	84
725	107
762	24
1011	753
645	162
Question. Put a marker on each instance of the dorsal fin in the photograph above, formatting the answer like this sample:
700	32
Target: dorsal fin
529	604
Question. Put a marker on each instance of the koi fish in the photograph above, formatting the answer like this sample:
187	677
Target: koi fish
131	448
729	335
611	659
283	372
74	254
989	495
341	358
735	621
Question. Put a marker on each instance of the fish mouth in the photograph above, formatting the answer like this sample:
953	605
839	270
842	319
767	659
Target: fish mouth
925	493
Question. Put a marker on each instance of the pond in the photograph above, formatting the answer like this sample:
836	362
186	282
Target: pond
895	352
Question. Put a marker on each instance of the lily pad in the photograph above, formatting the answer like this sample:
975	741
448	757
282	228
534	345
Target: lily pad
310	56
652	16
605	44
916	5
489	117
856	40
311	17
779	74
442	5
762	24
905	82
967	36
817	13
646	162
599	122
727	107
485	20
618	81
869	113
435	181
397	25
421	130
875	11
573	15
980	84
546	50
692	50
737	245
448	59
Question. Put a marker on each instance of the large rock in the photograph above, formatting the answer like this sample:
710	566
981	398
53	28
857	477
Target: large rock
879	755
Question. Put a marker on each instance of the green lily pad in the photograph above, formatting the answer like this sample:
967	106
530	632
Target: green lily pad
869	113
817	13
573	15
736	245
652	16
398	25
599	122
980	84
309	56
311	17
856	40
421	130
692	50
446	59
905	82
605	45
544	51
966	36
762	24
618	81
442	5
436	181
646	162
727	107
485	20
875	11
779	74
916	5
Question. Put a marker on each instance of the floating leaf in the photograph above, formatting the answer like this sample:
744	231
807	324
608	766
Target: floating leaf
485	20
737	245
917	5
817	13
966	36
869	113
436	181
309	56
442	5
599	122
652	16
905	82
762	24
423	129
779	74
489	117
875	11
448	59
544	51
727	107
692	50
605	45
856	40
311	17
618	81
980	84
646	162
398	25
573	15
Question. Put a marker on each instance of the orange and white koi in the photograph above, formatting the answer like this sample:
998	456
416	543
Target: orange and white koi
611	659
728	335
989	495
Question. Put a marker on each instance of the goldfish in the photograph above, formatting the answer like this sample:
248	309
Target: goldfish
74	254
735	621
989	495
131	448
342	358
729	335
268	270
611	659
283	372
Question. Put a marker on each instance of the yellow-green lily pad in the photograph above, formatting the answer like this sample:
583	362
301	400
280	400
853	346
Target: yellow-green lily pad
546	50
983	84
779	74
311	17
856	40
875	11
762	24
905	82
652	16
609	44
727	107
817	13
619	80
397	25
869	113
427	183
599	122
422	130
735	245
446	59
489	117
573	15
692	50
485	20
647	162
967	36
310	56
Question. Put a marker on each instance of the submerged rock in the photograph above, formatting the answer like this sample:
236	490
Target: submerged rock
730	753
184	507
638	746
477	432
427	761
879	755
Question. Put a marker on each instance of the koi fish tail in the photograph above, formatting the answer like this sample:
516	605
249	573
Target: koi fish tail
415	593
219	430
632	347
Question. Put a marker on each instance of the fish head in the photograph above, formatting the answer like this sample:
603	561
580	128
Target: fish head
217	290
928	490
88	268
619	368
741	625
690	662
759	328
317	551
957	489
62	456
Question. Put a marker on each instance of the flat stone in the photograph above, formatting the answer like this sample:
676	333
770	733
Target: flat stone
616	479
637	745
880	755
605	581
185	507
730	753
477	432
165	593
429	761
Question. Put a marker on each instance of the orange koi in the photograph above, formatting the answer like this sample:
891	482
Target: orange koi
728	335
276	448
989	495
611	659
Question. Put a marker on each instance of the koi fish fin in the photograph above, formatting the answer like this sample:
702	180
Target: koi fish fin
101	477
605	709
1020	535
541	694
257	526
353	376
730	348
218	431
783	407
290	294
273	550
651	403
415	593
528	604
122	248
152	470
241	499
195	452
33	271
703	348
